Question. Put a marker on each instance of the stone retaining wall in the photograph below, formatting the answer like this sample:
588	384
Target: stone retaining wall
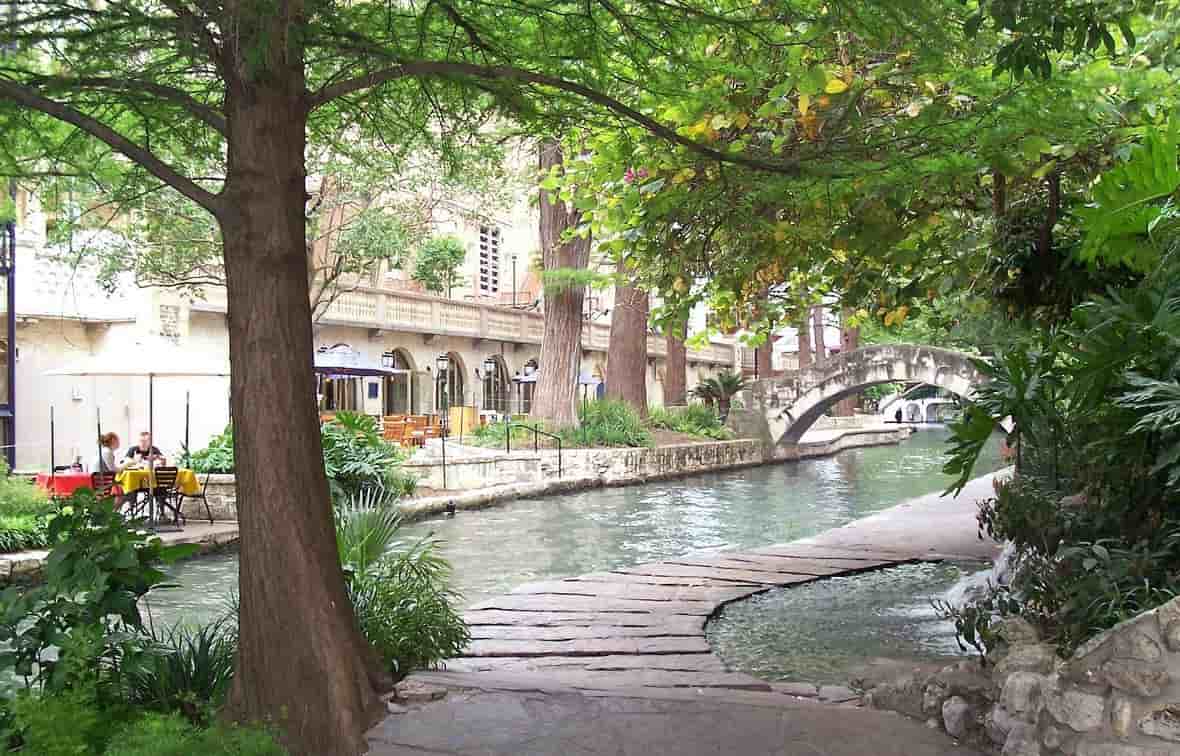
1118	695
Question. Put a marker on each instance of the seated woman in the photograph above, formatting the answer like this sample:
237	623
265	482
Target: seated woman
105	462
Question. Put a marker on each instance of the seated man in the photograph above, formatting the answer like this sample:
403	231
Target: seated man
144	452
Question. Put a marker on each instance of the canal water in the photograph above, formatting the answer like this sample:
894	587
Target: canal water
492	550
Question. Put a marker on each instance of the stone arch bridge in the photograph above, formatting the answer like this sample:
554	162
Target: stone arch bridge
792	403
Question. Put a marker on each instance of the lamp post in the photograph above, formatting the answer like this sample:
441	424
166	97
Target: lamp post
442	364
513	258
489	365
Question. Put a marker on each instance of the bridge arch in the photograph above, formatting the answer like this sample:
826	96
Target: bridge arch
793	403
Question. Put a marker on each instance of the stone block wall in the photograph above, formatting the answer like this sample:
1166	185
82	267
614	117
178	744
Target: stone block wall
1117	695
222	500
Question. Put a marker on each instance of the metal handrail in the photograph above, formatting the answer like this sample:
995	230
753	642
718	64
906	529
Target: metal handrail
537	433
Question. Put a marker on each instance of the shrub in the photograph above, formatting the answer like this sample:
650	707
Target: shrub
608	422
218	456
399	589
355	455
184	669
694	420
21	497
99	568
21	532
171	735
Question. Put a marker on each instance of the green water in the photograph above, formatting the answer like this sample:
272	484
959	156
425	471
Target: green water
835	630
493	550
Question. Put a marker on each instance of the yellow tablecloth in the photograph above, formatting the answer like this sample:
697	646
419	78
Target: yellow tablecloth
133	480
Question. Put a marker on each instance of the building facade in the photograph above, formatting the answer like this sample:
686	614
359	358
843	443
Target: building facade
83	352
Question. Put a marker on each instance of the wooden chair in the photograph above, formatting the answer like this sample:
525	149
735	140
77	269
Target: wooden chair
394	432
394	419
103	483
203	496
326	417
165	493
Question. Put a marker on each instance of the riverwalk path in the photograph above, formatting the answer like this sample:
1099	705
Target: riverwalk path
617	662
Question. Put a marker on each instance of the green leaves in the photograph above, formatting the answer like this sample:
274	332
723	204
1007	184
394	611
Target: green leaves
1127	201
437	262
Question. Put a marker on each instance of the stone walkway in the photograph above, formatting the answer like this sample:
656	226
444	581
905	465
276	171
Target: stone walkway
638	633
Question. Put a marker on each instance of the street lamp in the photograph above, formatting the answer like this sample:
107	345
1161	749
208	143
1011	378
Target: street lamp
387	360
513	258
442	363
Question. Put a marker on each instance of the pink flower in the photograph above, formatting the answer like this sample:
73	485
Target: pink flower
642	173
628	176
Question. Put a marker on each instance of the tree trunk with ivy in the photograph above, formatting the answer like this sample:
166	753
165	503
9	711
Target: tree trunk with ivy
561	345
626	364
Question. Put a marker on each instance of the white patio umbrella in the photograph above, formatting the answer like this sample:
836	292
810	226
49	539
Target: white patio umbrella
172	364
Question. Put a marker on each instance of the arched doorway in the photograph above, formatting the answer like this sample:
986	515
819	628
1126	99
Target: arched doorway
400	391
497	389
449	387
527	386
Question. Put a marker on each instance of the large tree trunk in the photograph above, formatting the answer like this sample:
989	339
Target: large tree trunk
819	349
626	364
804	329
676	366
302	662
764	358
561	345
849	340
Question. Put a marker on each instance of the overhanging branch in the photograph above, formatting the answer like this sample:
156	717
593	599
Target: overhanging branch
424	68
31	98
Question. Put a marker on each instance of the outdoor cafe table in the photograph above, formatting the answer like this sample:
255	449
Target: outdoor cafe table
62	483
135	480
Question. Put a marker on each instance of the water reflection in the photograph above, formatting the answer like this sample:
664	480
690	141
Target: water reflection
493	550
838	629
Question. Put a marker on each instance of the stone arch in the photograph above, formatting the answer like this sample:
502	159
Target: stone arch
455	384
401	392
496	386
804	396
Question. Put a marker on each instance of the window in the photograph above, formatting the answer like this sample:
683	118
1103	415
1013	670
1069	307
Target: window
489	260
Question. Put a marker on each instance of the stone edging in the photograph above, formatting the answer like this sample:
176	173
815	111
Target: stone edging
753	456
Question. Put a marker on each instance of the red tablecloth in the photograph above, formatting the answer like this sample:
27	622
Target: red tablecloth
63	483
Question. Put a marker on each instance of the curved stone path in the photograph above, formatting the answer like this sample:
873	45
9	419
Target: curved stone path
558	661
642	626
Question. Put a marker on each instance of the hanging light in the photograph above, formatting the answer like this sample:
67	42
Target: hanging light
387	360
489	367
442	362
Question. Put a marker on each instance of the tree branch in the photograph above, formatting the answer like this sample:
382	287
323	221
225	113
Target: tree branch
30	98
206	114
444	68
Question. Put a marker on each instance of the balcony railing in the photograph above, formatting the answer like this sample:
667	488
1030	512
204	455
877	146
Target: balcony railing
421	313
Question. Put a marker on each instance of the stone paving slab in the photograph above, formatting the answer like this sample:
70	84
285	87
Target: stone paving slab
697	662
531	603
590	646
583	619
741	577
576	632
640	579
527	721
631	590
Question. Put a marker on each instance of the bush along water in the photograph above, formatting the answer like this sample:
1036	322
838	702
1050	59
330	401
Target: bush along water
698	420
355	456
79	650
1094	509
604	422
78	647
